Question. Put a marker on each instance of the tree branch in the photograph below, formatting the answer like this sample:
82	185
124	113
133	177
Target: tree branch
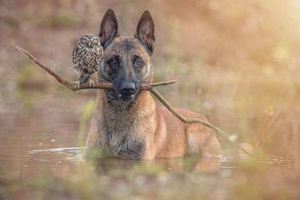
71	86
149	87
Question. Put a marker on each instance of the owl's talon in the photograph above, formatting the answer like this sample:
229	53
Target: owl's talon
76	84
91	83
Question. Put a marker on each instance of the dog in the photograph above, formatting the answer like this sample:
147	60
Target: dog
127	122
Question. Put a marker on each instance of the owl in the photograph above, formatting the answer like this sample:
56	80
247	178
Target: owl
87	55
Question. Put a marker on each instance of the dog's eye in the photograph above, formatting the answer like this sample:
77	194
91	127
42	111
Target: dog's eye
114	62
138	61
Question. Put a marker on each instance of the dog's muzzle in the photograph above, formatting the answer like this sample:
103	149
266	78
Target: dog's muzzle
127	91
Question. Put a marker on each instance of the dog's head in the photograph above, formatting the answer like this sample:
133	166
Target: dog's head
126	60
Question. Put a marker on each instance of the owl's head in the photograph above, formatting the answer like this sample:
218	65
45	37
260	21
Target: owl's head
89	41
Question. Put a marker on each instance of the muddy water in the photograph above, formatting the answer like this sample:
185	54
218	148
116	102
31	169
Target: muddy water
41	139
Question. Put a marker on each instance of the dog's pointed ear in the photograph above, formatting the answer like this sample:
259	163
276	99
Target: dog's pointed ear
108	28
145	31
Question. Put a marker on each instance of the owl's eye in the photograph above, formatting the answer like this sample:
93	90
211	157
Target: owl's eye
138	61
83	40
95	41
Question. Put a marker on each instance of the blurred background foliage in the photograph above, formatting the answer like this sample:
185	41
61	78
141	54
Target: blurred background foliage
237	62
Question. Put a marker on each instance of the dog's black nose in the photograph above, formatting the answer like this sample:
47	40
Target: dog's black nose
127	88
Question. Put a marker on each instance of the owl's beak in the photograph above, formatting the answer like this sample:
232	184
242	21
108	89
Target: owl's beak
90	43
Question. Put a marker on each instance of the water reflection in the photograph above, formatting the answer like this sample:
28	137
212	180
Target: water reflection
192	163
104	165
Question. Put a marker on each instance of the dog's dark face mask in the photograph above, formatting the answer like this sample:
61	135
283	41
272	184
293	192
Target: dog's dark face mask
126	60
126	65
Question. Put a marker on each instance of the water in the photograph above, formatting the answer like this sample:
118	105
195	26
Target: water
58	157
41	158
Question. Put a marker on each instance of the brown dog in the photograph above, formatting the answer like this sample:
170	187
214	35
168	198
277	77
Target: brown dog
127	122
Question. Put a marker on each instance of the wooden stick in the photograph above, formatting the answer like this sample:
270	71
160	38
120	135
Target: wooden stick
149	87
72	87
195	120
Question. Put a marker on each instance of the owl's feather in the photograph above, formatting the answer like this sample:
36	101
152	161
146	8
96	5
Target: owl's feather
87	55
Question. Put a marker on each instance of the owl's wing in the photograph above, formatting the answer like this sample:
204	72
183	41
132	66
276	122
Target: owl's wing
93	65
75	55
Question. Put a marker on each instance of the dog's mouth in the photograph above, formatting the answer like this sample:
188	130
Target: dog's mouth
127	95
126	98
115	95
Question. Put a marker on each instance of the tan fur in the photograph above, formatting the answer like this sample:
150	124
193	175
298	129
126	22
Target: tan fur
165	136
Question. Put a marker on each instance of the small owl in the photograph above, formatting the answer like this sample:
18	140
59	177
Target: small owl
87	55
